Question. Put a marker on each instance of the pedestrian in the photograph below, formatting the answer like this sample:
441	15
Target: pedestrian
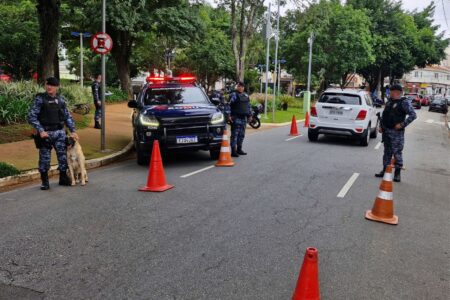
48	115
96	94
393	124
239	112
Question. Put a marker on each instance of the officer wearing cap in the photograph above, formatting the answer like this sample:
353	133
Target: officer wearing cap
393	124
239	112
96	94
48	115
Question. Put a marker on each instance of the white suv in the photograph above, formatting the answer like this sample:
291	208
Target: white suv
344	112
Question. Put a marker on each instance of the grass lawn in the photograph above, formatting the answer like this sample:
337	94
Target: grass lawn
20	132
282	116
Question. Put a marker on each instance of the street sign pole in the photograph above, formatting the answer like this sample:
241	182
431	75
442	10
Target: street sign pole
103	130
81	59
277	37
267	61
307	95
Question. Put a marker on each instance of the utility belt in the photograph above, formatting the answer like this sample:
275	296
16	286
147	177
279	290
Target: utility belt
239	116
53	127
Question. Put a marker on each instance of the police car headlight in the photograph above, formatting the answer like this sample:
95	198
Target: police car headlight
217	118
149	121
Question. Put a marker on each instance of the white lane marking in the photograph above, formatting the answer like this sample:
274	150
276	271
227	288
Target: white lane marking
196	172
348	185
430	121
378	146
290	139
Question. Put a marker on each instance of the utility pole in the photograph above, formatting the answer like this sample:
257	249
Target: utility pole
307	96
268	35
277	37
103	130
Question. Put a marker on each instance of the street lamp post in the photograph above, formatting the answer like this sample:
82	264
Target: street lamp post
81	35
103	130
268	36
277	38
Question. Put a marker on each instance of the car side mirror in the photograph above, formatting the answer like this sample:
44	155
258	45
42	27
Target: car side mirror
215	101
133	104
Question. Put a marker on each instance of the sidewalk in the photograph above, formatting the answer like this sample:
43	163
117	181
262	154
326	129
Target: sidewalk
24	156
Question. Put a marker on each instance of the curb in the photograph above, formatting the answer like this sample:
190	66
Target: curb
281	124
90	164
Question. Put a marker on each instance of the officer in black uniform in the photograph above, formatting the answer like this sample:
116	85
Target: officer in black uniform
239	112
393	124
97	96
48	115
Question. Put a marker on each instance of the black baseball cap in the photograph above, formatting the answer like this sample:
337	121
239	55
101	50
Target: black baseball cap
52	81
240	83
396	87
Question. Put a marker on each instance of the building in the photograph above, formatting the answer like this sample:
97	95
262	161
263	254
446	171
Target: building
434	79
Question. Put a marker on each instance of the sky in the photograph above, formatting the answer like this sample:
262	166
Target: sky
410	5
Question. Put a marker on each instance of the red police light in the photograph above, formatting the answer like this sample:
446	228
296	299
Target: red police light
155	79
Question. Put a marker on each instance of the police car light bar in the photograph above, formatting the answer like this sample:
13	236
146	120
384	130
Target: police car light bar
151	79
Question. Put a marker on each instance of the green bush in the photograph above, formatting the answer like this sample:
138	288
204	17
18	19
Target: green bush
117	95
7	170
16	99
291	101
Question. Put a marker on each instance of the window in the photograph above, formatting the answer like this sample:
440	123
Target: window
416	74
436	75
340	99
368	100
448	77
174	95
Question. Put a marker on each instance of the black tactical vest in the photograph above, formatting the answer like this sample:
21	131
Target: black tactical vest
394	113
52	111
240	107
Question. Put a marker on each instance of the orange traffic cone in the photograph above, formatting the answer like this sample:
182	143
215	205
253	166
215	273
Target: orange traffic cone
156	181
306	119
225	159
294	131
308	280
383	208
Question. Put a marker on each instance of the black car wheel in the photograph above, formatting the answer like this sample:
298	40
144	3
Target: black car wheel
374	133
255	123
365	138
312	136
214	154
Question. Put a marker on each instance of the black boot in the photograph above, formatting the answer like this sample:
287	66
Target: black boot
45	184
397	177
240	152
381	174
234	152
64	179
97	125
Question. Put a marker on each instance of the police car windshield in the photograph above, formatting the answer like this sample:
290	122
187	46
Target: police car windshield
174	95
336	98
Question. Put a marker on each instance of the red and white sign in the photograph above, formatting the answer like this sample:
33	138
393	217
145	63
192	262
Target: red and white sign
101	43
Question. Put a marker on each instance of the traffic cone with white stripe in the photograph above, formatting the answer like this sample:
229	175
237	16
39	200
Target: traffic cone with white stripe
383	208
225	159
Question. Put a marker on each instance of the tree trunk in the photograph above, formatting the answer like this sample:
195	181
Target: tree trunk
121	53
49	22
56	65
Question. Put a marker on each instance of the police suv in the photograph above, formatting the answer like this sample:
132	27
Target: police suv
344	112
176	112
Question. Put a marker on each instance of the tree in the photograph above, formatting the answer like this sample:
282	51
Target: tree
19	41
49	14
342	42
245	17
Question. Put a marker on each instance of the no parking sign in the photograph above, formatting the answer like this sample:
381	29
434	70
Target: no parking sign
101	43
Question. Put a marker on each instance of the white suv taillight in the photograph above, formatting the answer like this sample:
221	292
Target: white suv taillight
313	111
361	115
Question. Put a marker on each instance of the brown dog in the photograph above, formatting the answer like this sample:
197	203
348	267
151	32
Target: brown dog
76	162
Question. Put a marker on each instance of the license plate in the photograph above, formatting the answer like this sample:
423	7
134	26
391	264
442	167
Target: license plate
187	139
336	112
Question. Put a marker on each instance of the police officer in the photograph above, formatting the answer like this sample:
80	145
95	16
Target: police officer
48	115
96	94
239	112
393	124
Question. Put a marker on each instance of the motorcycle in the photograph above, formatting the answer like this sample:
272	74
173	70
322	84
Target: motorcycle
255	120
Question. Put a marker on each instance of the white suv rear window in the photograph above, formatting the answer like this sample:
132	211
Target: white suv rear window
336	98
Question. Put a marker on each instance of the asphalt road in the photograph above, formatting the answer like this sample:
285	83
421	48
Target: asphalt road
241	232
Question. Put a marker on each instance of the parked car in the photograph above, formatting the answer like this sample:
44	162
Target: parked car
424	100
176	112
344	112
415	100
439	104
448	100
